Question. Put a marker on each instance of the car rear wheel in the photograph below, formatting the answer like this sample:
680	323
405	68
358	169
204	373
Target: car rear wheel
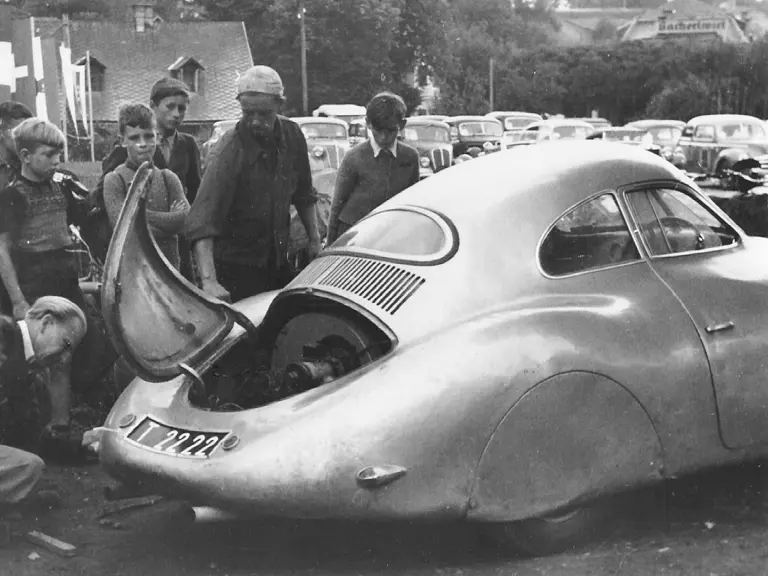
550	534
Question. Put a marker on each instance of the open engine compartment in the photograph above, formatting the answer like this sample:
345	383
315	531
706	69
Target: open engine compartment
304	342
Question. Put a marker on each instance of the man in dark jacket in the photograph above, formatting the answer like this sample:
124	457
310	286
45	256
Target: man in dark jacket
49	334
239	224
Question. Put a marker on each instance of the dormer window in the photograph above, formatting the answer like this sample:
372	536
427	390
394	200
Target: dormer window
189	71
97	73
144	15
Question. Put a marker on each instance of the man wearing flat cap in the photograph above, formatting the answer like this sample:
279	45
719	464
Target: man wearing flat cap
239	224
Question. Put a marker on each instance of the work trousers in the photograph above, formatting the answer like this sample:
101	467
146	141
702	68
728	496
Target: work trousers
19	472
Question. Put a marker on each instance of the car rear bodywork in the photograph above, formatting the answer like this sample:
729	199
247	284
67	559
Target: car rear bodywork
380	383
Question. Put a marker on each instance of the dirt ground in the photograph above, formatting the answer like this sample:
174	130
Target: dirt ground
713	524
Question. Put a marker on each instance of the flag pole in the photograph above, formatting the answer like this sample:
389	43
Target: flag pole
90	102
65	18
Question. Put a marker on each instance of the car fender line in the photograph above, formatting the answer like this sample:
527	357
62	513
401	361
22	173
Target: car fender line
476	467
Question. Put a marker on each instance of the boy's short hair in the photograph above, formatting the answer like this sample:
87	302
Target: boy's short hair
385	109
36	132
167	87
10	111
135	116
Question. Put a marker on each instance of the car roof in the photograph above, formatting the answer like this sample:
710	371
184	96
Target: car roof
560	122
225	123
471	118
535	183
320	120
514	114
649	123
417	121
721	118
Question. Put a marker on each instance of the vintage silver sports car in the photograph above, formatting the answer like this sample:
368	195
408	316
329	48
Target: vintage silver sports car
503	343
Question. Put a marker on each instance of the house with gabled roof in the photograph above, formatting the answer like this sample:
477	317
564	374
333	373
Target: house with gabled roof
128	57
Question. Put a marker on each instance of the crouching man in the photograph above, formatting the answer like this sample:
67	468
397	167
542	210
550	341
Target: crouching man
48	335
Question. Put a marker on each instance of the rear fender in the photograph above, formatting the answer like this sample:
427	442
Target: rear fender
573	437
728	157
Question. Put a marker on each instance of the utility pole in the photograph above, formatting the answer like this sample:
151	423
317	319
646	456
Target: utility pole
303	37
63	101
490	67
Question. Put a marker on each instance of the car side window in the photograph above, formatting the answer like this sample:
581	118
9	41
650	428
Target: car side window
672	222
706	133
592	235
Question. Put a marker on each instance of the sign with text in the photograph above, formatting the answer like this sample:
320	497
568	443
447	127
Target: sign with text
691	26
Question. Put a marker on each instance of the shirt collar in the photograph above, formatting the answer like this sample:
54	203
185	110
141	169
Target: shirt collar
29	351
377	148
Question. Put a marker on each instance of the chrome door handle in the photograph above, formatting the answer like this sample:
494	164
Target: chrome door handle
720	327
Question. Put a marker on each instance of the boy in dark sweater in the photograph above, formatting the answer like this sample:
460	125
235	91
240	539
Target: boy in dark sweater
376	170
35	255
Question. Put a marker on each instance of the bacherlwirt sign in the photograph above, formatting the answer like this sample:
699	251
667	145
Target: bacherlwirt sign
691	26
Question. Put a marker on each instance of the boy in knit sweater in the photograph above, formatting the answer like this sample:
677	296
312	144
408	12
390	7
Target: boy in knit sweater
167	206
376	170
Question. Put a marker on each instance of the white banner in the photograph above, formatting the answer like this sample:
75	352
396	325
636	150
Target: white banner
81	94
691	26
68	77
37	57
7	66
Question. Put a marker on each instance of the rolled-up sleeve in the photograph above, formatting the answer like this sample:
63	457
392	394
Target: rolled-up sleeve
208	213
304	195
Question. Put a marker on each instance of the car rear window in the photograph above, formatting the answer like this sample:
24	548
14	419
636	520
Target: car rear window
410	234
592	235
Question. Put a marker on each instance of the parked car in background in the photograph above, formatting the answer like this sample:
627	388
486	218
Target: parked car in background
325	137
665	133
432	139
710	145
553	129
629	136
514	121
438	117
358	132
347	112
219	129
475	132
615	340
597	123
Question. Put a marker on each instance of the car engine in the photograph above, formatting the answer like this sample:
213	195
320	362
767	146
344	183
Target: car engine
297	348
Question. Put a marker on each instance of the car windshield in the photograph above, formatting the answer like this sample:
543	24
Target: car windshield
324	130
740	131
426	134
480	128
407	234
567	132
624	135
517	123
353	118
665	133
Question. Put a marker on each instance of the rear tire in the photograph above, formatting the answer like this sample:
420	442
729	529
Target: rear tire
550	534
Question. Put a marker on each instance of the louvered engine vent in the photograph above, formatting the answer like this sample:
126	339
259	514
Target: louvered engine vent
388	286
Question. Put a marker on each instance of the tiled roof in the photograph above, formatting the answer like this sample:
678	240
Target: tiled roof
134	61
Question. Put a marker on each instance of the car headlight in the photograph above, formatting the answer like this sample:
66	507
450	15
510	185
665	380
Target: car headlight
318	152
487	145
424	162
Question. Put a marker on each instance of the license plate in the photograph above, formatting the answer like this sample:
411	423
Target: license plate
175	441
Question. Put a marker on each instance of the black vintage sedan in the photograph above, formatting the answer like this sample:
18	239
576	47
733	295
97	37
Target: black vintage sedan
480	132
432	139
